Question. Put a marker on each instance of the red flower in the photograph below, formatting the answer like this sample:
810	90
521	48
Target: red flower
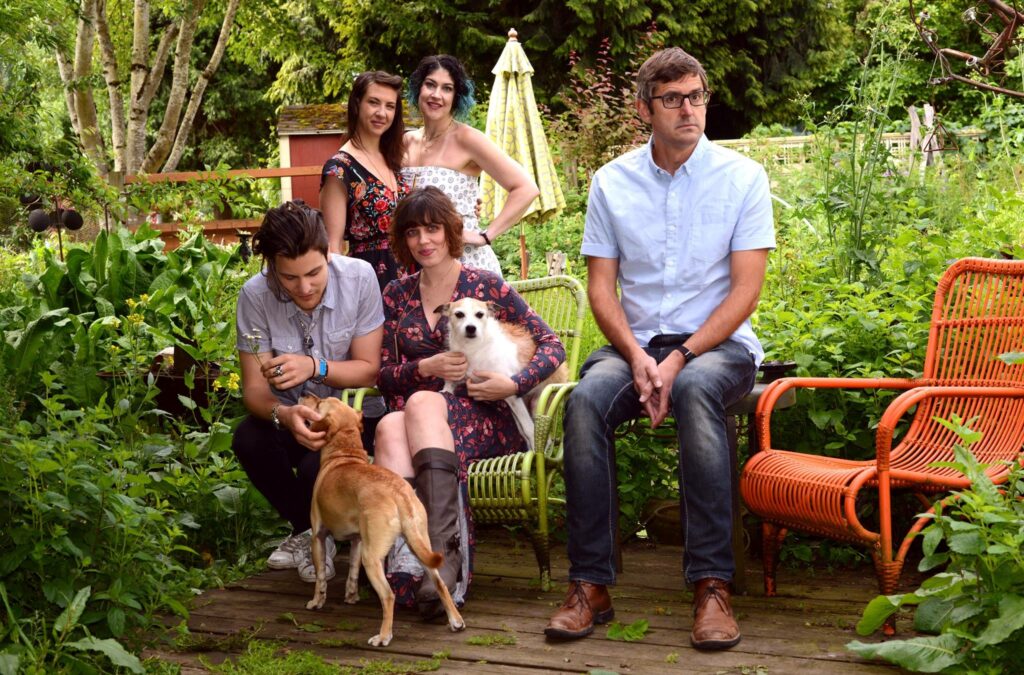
381	205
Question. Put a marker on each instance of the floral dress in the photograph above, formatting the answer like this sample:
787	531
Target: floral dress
481	429
371	205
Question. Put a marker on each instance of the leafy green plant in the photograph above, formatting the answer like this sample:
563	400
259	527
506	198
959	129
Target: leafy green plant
56	648
633	632
975	607
600	118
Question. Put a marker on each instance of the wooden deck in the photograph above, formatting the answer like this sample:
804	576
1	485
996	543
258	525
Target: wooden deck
803	630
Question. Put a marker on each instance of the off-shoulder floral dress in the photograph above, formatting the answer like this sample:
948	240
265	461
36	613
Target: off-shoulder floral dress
371	205
481	429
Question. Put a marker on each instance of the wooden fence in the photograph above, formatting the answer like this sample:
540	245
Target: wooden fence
220	231
785	152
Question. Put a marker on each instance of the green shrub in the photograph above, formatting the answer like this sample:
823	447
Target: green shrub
975	606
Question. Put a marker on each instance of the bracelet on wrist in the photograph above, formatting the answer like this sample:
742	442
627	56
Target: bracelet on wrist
274	418
483	233
320	372
313	359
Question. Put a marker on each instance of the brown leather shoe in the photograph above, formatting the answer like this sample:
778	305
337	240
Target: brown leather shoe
714	626
585	604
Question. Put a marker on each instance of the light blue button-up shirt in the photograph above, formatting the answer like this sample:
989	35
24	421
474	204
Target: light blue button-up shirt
673	234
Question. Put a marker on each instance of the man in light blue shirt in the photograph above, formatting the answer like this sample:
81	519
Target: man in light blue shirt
683	227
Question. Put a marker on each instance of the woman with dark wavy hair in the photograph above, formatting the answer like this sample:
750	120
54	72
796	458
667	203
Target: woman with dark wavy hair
361	185
451	155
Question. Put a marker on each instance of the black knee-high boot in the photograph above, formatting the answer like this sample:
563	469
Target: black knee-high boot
437	486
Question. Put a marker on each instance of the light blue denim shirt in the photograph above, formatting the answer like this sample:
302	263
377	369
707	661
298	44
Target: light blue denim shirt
673	234
351	307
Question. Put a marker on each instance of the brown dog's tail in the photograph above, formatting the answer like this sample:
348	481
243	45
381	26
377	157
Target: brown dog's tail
414	529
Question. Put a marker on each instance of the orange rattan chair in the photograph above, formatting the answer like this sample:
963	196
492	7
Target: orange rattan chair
978	314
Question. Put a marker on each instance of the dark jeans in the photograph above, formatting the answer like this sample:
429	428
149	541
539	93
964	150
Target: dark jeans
604	399
282	470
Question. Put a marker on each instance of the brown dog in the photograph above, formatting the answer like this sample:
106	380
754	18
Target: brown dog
352	499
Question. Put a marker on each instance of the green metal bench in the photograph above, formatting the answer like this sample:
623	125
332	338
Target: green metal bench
516	489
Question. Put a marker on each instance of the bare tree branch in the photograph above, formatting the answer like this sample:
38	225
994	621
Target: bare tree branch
200	87
138	113
67	76
109	60
85	105
179	83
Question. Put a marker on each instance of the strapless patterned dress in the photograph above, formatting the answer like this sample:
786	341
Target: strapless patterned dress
463	190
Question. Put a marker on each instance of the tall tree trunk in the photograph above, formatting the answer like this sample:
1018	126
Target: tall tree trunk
85	105
137	112
179	83
185	129
66	76
109	60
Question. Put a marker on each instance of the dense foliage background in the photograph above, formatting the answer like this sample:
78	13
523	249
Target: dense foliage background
118	489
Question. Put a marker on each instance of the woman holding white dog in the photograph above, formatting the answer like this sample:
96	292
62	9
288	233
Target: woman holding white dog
451	155
433	436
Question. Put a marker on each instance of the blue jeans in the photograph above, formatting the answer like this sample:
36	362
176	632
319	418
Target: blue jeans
604	399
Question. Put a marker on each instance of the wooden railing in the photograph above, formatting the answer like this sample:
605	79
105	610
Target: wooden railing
786	151
794	150
221	231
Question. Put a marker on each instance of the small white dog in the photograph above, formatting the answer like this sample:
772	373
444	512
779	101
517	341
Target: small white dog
497	346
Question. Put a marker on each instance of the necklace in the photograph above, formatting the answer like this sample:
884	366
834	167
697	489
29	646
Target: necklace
307	329
386	177
428	142
444	277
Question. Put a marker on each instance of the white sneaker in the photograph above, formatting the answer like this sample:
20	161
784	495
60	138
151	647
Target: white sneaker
291	552
307	571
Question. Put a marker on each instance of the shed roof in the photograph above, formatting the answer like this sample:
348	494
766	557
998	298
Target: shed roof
320	118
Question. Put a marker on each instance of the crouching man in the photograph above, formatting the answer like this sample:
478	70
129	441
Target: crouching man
309	322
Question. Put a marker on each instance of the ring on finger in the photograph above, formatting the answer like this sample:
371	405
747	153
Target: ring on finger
279	371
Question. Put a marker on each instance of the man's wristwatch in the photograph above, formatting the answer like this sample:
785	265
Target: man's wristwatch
687	354
274	418
321	372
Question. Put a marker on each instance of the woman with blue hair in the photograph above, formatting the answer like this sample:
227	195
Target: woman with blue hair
451	156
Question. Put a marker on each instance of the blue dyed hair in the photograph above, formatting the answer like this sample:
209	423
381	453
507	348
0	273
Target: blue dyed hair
464	89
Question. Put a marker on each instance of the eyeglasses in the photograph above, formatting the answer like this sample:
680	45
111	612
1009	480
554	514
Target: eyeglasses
675	100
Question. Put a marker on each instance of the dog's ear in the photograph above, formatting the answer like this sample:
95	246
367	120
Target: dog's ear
359	416
441	309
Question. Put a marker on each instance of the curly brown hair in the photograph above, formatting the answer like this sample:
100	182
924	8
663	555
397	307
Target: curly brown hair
428	205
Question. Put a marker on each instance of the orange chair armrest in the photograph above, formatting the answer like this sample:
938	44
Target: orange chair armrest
774	391
908	399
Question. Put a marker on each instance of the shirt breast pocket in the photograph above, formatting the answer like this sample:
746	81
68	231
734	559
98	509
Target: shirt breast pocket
709	242
338	343
284	345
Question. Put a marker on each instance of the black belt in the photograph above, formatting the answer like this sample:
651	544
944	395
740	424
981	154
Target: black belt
668	340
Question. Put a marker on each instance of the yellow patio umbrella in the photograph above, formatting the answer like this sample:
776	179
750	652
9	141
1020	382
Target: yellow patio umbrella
514	124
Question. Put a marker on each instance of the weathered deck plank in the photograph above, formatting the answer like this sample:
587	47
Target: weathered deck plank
803	630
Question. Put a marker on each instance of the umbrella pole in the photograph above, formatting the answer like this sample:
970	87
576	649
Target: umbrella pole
524	256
